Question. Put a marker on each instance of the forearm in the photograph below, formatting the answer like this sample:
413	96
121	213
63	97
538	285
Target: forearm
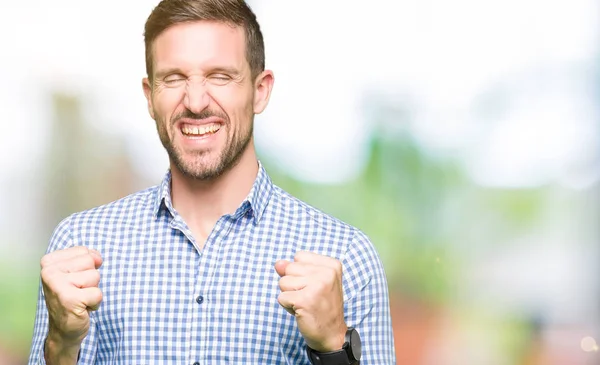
57	352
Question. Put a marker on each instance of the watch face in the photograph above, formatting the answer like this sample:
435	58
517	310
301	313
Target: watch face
355	344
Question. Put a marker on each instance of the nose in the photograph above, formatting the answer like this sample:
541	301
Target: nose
196	95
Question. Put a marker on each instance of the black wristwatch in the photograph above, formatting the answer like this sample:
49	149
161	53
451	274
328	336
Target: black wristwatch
348	355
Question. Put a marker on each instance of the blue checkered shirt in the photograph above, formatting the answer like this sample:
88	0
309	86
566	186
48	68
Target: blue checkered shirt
168	302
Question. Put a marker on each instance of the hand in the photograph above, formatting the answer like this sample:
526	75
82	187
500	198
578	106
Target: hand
70	282
311	290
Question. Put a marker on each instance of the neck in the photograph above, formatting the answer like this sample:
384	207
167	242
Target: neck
202	203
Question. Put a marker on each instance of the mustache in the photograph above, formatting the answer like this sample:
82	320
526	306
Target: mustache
199	116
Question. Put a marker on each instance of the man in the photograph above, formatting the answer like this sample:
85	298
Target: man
216	265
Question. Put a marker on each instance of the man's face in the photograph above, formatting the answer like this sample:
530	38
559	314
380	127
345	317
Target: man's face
203	98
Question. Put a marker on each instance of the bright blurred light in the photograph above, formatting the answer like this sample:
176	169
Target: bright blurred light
447	59
588	344
540	140
441	56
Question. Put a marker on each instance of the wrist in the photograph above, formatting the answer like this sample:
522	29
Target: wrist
332	343
349	354
60	352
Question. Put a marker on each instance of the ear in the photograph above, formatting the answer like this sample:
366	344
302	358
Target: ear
262	90
148	93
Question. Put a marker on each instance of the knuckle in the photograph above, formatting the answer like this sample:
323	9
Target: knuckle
331	273
66	299
45	260
99	295
284	299
49	276
300	255
337	265
96	276
89	260
321	285
84	261
45	273
291	266
80	250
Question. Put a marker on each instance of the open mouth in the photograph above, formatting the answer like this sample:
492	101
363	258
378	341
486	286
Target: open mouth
205	130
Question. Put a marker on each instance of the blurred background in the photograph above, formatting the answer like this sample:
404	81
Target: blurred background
462	136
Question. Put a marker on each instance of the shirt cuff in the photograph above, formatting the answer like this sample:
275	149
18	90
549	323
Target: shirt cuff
41	357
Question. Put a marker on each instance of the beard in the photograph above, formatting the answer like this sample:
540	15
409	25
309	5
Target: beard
197	164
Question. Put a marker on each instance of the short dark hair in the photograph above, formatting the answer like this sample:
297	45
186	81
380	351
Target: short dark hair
234	12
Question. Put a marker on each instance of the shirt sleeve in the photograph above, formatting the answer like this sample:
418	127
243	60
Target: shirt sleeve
61	238
366	301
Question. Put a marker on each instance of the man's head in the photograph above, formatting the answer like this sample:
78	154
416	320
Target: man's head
206	80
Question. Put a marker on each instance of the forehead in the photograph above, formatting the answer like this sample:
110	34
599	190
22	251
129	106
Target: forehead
199	45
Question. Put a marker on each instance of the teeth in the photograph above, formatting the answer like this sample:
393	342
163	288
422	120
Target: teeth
199	131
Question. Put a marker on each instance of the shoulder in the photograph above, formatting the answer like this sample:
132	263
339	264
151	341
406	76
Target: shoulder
314	222
134	205
362	265
138	203
287	205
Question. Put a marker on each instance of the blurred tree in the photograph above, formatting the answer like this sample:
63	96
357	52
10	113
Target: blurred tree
399	201
84	167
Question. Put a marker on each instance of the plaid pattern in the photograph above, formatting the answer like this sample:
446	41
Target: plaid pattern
166	302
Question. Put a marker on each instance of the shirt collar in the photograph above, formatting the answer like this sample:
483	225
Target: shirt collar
162	199
255	203
260	194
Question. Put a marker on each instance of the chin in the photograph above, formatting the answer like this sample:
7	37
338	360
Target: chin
201	170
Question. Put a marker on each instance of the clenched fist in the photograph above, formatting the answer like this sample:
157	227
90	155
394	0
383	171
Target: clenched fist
70	279
311	290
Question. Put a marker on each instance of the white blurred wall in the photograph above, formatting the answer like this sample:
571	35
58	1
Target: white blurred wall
508	87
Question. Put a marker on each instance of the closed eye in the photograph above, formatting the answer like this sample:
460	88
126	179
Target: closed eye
219	79
174	80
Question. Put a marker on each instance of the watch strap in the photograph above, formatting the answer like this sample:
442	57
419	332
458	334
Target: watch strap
338	357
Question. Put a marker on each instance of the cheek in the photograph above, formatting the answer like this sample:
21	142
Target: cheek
166	102
235	101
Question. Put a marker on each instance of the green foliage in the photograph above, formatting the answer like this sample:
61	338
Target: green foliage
421	212
397	201
18	289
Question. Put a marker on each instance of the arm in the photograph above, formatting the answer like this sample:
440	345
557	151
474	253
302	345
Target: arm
366	301
326	296
68	279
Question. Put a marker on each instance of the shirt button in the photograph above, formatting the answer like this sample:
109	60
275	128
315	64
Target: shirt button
199	300
196	363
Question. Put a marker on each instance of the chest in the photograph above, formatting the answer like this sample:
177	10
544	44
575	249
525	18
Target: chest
165	299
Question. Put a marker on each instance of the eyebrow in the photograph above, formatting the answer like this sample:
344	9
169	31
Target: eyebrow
168	71
219	69
228	70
